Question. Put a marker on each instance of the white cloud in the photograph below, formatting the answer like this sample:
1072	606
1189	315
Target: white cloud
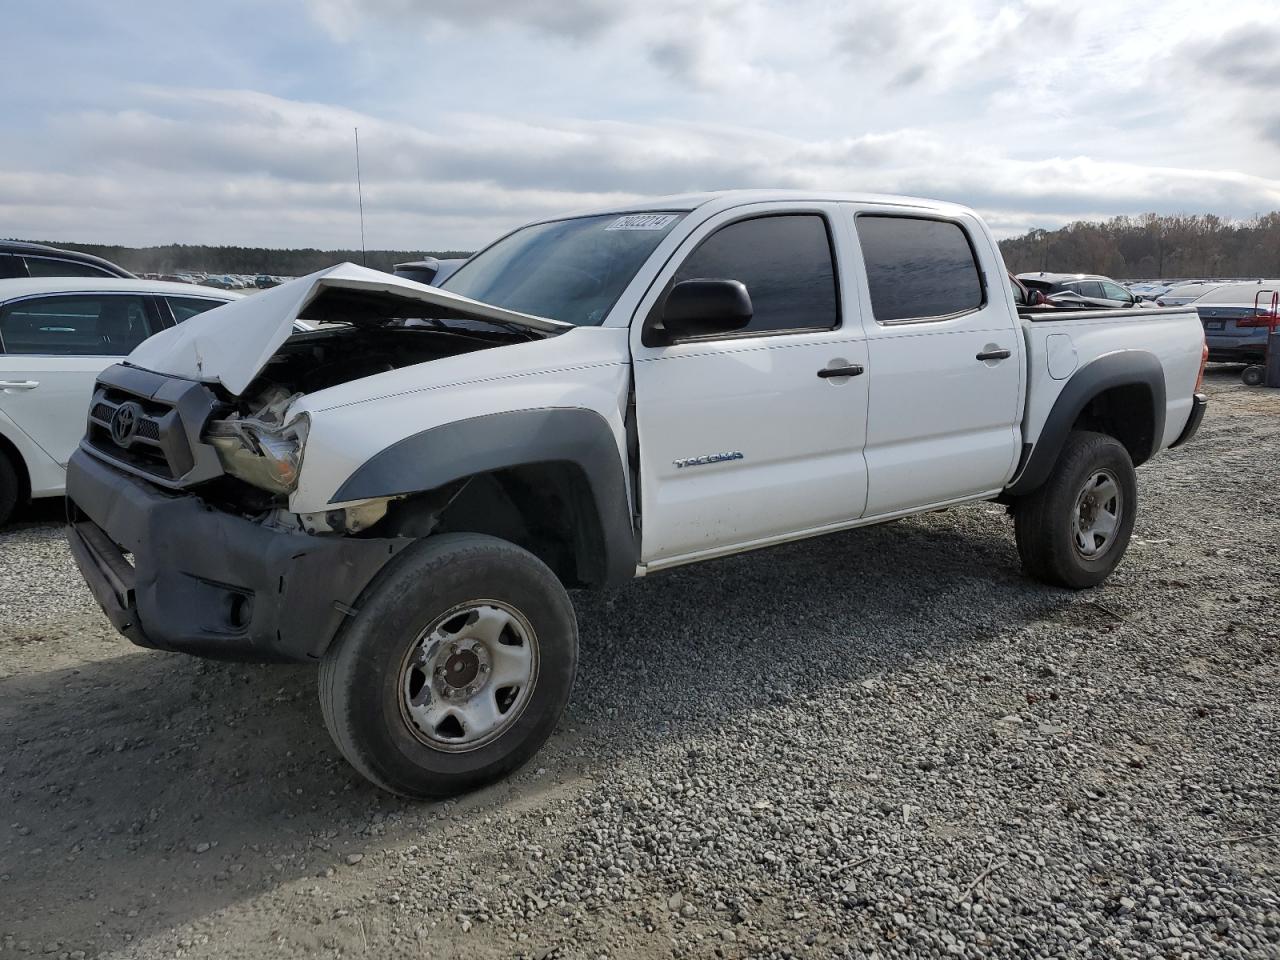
474	117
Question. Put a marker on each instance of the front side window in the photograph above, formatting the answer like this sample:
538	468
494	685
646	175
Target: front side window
75	325
571	270
184	308
55	267
786	264
918	269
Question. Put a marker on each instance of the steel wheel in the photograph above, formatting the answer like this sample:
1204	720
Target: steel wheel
467	678
1099	508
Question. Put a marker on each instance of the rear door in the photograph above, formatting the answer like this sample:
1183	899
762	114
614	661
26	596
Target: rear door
52	349
742	440
945	360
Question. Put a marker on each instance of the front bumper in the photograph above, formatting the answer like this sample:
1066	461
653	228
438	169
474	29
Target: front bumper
207	582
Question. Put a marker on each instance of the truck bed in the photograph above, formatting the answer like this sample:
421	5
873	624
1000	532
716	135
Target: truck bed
1060	342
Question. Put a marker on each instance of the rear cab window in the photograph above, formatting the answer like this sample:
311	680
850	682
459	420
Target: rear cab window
918	268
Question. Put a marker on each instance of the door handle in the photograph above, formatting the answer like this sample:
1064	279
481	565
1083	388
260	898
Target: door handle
995	355
852	370
19	384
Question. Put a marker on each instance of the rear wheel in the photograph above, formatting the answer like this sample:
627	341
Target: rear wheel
1074	530
10	489
456	669
1254	375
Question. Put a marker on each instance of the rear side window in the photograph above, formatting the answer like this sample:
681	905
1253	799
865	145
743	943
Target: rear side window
82	325
54	267
184	308
785	263
918	269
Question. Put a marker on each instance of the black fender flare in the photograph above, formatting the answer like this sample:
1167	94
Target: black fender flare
432	458
1124	368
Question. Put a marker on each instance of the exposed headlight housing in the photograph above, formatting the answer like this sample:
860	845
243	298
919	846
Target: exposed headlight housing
263	454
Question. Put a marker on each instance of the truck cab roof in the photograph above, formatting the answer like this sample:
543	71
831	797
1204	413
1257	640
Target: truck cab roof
726	199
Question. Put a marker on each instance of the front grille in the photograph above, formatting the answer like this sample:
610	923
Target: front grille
162	437
144	449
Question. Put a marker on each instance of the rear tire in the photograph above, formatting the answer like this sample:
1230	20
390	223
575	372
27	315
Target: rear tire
10	489
1254	375
456	669
1074	530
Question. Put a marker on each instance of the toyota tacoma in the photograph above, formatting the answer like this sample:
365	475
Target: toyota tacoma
405	493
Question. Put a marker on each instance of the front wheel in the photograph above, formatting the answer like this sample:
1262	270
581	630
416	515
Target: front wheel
456	669
1073	531
9	489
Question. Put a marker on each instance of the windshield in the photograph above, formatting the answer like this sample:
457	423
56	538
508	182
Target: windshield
570	270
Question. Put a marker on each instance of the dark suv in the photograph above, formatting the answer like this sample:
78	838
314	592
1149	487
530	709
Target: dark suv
19	259
1080	291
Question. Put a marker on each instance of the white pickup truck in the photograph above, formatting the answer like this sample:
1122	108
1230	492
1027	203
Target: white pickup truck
404	494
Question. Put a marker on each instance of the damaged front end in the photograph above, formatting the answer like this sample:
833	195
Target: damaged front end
261	448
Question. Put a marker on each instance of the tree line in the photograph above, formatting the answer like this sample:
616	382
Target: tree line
1153	247
183	258
1149	246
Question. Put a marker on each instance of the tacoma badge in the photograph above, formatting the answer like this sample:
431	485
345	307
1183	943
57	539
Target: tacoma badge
709	458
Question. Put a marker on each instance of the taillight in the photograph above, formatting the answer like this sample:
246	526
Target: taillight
1261	320
1204	358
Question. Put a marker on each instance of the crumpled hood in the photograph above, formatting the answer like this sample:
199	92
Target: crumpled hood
232	343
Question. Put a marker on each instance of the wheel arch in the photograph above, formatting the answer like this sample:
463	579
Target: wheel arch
552	480
1121	394
10	451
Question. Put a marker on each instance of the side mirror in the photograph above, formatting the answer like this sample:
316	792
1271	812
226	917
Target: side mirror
700	308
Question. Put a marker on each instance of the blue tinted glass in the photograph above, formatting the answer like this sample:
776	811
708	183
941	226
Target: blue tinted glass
570	270
918	268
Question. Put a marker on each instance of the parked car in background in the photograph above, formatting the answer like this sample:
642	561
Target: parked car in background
1079	291
56	335
1025	297
1236	318
1184	292
1148	289
428	269
19	260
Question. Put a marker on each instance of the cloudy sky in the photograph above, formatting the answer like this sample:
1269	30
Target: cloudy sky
231	122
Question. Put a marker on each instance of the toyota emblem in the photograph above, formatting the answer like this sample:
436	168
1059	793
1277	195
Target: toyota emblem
124	423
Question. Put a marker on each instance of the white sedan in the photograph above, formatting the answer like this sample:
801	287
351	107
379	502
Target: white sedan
56	335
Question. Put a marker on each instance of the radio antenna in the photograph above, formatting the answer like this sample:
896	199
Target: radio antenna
364	254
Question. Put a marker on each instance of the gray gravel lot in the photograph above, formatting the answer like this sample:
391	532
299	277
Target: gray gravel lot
886	742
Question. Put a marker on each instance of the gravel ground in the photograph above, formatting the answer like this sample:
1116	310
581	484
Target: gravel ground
882	743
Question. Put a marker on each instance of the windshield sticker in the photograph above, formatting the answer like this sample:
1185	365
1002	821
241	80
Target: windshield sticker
643	221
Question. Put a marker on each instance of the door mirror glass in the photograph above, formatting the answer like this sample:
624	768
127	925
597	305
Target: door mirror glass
700	308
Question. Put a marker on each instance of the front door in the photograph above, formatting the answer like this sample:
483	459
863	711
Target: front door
747	437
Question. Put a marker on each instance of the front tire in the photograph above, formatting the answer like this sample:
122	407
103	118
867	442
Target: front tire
10	489
456	669
1074	530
